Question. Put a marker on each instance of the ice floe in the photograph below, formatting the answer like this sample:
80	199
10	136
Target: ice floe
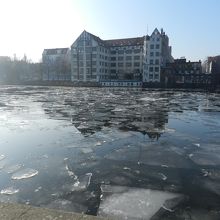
135	203
24	174
9	191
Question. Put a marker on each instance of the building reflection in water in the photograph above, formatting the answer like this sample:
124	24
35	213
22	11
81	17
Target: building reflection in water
124	109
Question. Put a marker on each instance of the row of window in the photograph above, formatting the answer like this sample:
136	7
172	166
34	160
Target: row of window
128	64
156	62
156	46
155	76
121	84
125	51
134	71
93	56
153	69
157	54
126	58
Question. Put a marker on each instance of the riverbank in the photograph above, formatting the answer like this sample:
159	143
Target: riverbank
9	211
97	85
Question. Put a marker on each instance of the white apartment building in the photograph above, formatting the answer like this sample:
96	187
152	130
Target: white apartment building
112	62
157	53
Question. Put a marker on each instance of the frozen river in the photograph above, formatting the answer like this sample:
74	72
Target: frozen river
128	154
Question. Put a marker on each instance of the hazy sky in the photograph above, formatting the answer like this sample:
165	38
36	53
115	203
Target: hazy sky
29	26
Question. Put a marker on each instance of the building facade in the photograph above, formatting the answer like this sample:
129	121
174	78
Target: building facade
119	62
212	66
56	64
157	53
181	73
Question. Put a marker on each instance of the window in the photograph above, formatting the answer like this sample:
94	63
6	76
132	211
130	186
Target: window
120	58
88	49
88	56
157	62
151	54
128	51
113	71
156	69
158	39
113	58
136	57
136	64
151	69
121	52
151	62
93	55
137	51
94	49
156	76
128	57
113	52
157	54
152	46
151	76
113	64
120	65
157	46
94	70
128	64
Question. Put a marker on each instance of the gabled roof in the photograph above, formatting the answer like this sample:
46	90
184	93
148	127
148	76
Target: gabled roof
97	39
54	51
117	42
155	32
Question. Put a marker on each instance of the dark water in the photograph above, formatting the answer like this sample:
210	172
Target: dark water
60	146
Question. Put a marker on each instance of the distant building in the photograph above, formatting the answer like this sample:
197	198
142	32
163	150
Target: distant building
182	73
212	66
119	62
56	64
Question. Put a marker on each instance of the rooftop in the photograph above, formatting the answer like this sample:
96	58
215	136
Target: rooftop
125	42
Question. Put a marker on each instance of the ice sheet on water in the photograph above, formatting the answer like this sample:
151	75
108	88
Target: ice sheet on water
70	173
81	183
9	191
151	154
149	99
134	203
86	150
2	156
24	174
12	168
205	158
3	163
